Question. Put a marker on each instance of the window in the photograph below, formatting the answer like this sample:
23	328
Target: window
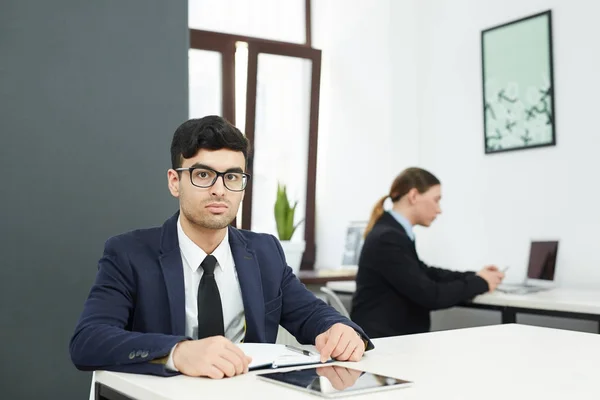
270	90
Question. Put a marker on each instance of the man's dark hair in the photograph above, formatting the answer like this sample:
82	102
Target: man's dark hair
212	133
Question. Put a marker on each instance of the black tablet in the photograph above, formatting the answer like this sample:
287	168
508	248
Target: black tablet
334	381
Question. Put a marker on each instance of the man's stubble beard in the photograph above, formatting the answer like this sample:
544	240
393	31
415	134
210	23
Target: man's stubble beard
209	221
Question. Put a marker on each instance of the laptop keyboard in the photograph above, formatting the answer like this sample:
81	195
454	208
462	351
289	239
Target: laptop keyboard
520	289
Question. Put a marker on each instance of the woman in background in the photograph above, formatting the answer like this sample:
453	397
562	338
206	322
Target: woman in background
395	290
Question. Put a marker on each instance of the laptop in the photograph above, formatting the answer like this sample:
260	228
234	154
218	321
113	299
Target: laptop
540	271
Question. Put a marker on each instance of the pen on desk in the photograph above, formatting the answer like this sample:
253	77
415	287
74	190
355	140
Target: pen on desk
297	350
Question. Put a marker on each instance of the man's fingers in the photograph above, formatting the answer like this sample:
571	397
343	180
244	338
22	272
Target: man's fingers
341	347
248	361
224	365
357	353
345	356
320	341
236	349
331	343
234	358
212	372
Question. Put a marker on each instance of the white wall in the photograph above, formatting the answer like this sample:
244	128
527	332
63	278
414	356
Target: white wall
366	135
267	19
495	204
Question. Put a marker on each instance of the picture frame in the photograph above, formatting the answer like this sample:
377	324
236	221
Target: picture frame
518	84
353	244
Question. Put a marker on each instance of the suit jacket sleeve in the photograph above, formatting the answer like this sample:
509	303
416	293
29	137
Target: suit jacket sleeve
101	339
304	315
398	265
444	275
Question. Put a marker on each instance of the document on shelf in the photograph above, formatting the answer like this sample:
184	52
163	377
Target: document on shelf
268	355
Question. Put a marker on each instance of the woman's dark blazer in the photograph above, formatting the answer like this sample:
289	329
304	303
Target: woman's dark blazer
395	290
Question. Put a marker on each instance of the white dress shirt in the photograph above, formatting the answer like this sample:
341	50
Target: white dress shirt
402	220
227	281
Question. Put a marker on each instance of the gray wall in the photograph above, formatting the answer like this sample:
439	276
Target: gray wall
90	95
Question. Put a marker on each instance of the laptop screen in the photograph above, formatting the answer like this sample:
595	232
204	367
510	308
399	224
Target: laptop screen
542	260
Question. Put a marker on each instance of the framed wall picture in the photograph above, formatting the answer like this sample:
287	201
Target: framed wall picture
354	242
518	84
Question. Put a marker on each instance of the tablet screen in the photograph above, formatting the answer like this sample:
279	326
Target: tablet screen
334	380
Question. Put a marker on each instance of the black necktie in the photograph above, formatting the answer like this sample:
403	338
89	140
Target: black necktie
210	311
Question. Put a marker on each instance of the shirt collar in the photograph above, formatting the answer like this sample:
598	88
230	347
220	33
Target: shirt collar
194	255
404	222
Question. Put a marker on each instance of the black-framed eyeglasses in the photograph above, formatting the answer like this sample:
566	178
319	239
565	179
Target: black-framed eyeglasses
204	177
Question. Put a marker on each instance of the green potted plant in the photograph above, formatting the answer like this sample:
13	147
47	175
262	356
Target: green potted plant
284	218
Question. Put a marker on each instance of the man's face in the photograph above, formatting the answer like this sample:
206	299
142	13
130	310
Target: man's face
213	207
428	205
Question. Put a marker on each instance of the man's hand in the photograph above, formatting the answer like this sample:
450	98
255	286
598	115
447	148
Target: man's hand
340	342
215	357
492	276
340	377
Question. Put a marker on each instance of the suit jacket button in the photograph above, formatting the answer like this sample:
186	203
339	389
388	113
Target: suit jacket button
132	355
144	354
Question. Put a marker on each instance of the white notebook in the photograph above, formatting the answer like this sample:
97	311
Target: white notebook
268	355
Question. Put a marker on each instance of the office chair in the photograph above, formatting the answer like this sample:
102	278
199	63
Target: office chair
93	387
334	301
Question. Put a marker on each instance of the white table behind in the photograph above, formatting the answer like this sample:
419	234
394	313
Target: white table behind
557	299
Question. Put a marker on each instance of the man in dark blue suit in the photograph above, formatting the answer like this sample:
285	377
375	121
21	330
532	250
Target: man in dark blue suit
177	299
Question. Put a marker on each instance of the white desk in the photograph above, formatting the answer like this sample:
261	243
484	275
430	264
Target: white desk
580	304
493	362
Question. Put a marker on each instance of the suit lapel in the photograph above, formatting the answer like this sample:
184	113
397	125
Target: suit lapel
389	220
172	268
250	280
